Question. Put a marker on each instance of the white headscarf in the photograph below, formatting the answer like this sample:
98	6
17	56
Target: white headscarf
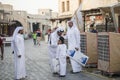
60	29
14	35
74	25
16	31
55	34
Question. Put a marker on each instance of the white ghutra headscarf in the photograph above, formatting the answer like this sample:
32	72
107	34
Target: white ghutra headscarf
74	24
16	31
15	34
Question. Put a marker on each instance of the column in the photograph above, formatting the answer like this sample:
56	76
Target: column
31	26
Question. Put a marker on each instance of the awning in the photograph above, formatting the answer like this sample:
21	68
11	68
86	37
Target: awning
62	17
107	9
7	22
113	9
94	4
3	22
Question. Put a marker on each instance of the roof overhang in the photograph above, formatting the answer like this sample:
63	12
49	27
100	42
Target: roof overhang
107	9
62	17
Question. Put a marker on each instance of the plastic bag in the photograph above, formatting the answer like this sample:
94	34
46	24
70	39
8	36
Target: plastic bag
78	57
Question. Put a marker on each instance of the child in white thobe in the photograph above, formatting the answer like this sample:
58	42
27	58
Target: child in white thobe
61	56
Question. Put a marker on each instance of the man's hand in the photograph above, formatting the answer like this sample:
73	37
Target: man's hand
12	52
19	56
77	49
57	59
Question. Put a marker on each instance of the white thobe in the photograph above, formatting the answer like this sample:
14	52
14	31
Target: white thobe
73	36
18	46
52	47
61	55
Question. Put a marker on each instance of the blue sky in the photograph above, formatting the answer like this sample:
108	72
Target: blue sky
32	6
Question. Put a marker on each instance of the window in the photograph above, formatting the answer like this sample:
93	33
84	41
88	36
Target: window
68	5
63	6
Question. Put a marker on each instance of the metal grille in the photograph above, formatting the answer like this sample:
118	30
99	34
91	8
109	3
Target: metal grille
103	47
83	43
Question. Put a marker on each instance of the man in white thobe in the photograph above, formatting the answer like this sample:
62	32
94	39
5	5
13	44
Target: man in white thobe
52	45
19	53
73	36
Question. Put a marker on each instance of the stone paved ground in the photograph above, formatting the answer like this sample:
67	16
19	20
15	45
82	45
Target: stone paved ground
37	66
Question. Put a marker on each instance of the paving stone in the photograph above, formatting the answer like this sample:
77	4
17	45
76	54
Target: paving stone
37	65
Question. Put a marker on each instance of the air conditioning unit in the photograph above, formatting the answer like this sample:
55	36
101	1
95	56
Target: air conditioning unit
109	52
89	47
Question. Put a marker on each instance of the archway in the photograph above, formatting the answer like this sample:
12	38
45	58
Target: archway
12	25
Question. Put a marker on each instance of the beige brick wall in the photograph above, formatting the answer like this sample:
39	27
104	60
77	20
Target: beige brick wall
20	16
5	11
45	12
7	7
